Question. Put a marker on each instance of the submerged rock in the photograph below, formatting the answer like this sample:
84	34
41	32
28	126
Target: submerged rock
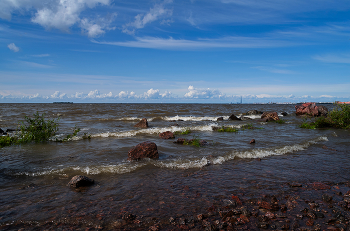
10	130
143	150
220	119
1	131
252	141
167	135
284	113
80	181
271	116
180	141
142	124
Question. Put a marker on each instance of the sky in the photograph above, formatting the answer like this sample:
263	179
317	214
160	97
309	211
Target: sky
204	51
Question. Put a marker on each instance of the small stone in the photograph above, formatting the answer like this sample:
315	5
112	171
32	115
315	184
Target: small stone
143	150
327	198
220	119
80	181
167	135
233	117
252	141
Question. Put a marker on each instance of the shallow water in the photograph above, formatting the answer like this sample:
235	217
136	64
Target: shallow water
185	179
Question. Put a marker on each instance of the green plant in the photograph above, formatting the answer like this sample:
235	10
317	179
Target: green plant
194	142
7	141
86	136
184	132
227	129
280	121
76	130
37	129
339	117
247	126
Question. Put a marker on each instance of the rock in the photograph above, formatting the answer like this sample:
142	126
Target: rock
10	130
253	112
214	128
271	116
220	119
311	109
252	141
322	110
80	181
233	117
167	135
143	150
245	118
1	131
175	125
327	198
180	141
142	124
263	120
284	113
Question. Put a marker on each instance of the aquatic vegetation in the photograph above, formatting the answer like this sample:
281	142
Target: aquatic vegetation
7	141
68	137
194	142
247	126
184	132
227	129
339	117
280	121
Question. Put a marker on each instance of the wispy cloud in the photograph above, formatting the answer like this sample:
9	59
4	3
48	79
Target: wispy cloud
35	65
333	58
13	47
41	55
152	15
274	70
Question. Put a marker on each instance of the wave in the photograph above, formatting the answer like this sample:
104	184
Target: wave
173	118
178	163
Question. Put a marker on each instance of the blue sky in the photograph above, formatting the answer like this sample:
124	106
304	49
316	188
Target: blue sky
174	51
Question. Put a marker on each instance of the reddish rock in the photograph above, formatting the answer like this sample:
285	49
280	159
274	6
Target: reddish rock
142	124
220	119
311	109
319	186
144	150
252	141
271	116
80	181
167	135
233	117
180	141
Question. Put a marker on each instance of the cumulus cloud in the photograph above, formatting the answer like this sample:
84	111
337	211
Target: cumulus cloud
126	95
58	95
60	14
13	47
97	95
195	93
95	28
155	94
152	15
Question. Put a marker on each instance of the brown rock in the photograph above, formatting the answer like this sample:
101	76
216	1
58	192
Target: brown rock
143	150
233	117
167	135
180	141
80	181
220	119
252	141
271	116
142	124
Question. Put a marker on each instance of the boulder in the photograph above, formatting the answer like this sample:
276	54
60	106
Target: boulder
284	113
271	116
167	135
142	124
220	119
143	150
1	131
80	181
322	110
311	109
233	117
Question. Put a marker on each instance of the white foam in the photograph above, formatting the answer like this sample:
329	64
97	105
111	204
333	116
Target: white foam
194	118
183	163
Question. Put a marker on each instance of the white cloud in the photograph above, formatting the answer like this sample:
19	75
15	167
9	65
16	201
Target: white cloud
203	93
58	95
13	47
152	15
95	28
60	14
333	58
155	94
41	55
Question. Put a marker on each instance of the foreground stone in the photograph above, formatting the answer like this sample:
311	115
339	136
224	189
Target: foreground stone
167	135
144	150
142	124
270	116
253	112
311	109
80	181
